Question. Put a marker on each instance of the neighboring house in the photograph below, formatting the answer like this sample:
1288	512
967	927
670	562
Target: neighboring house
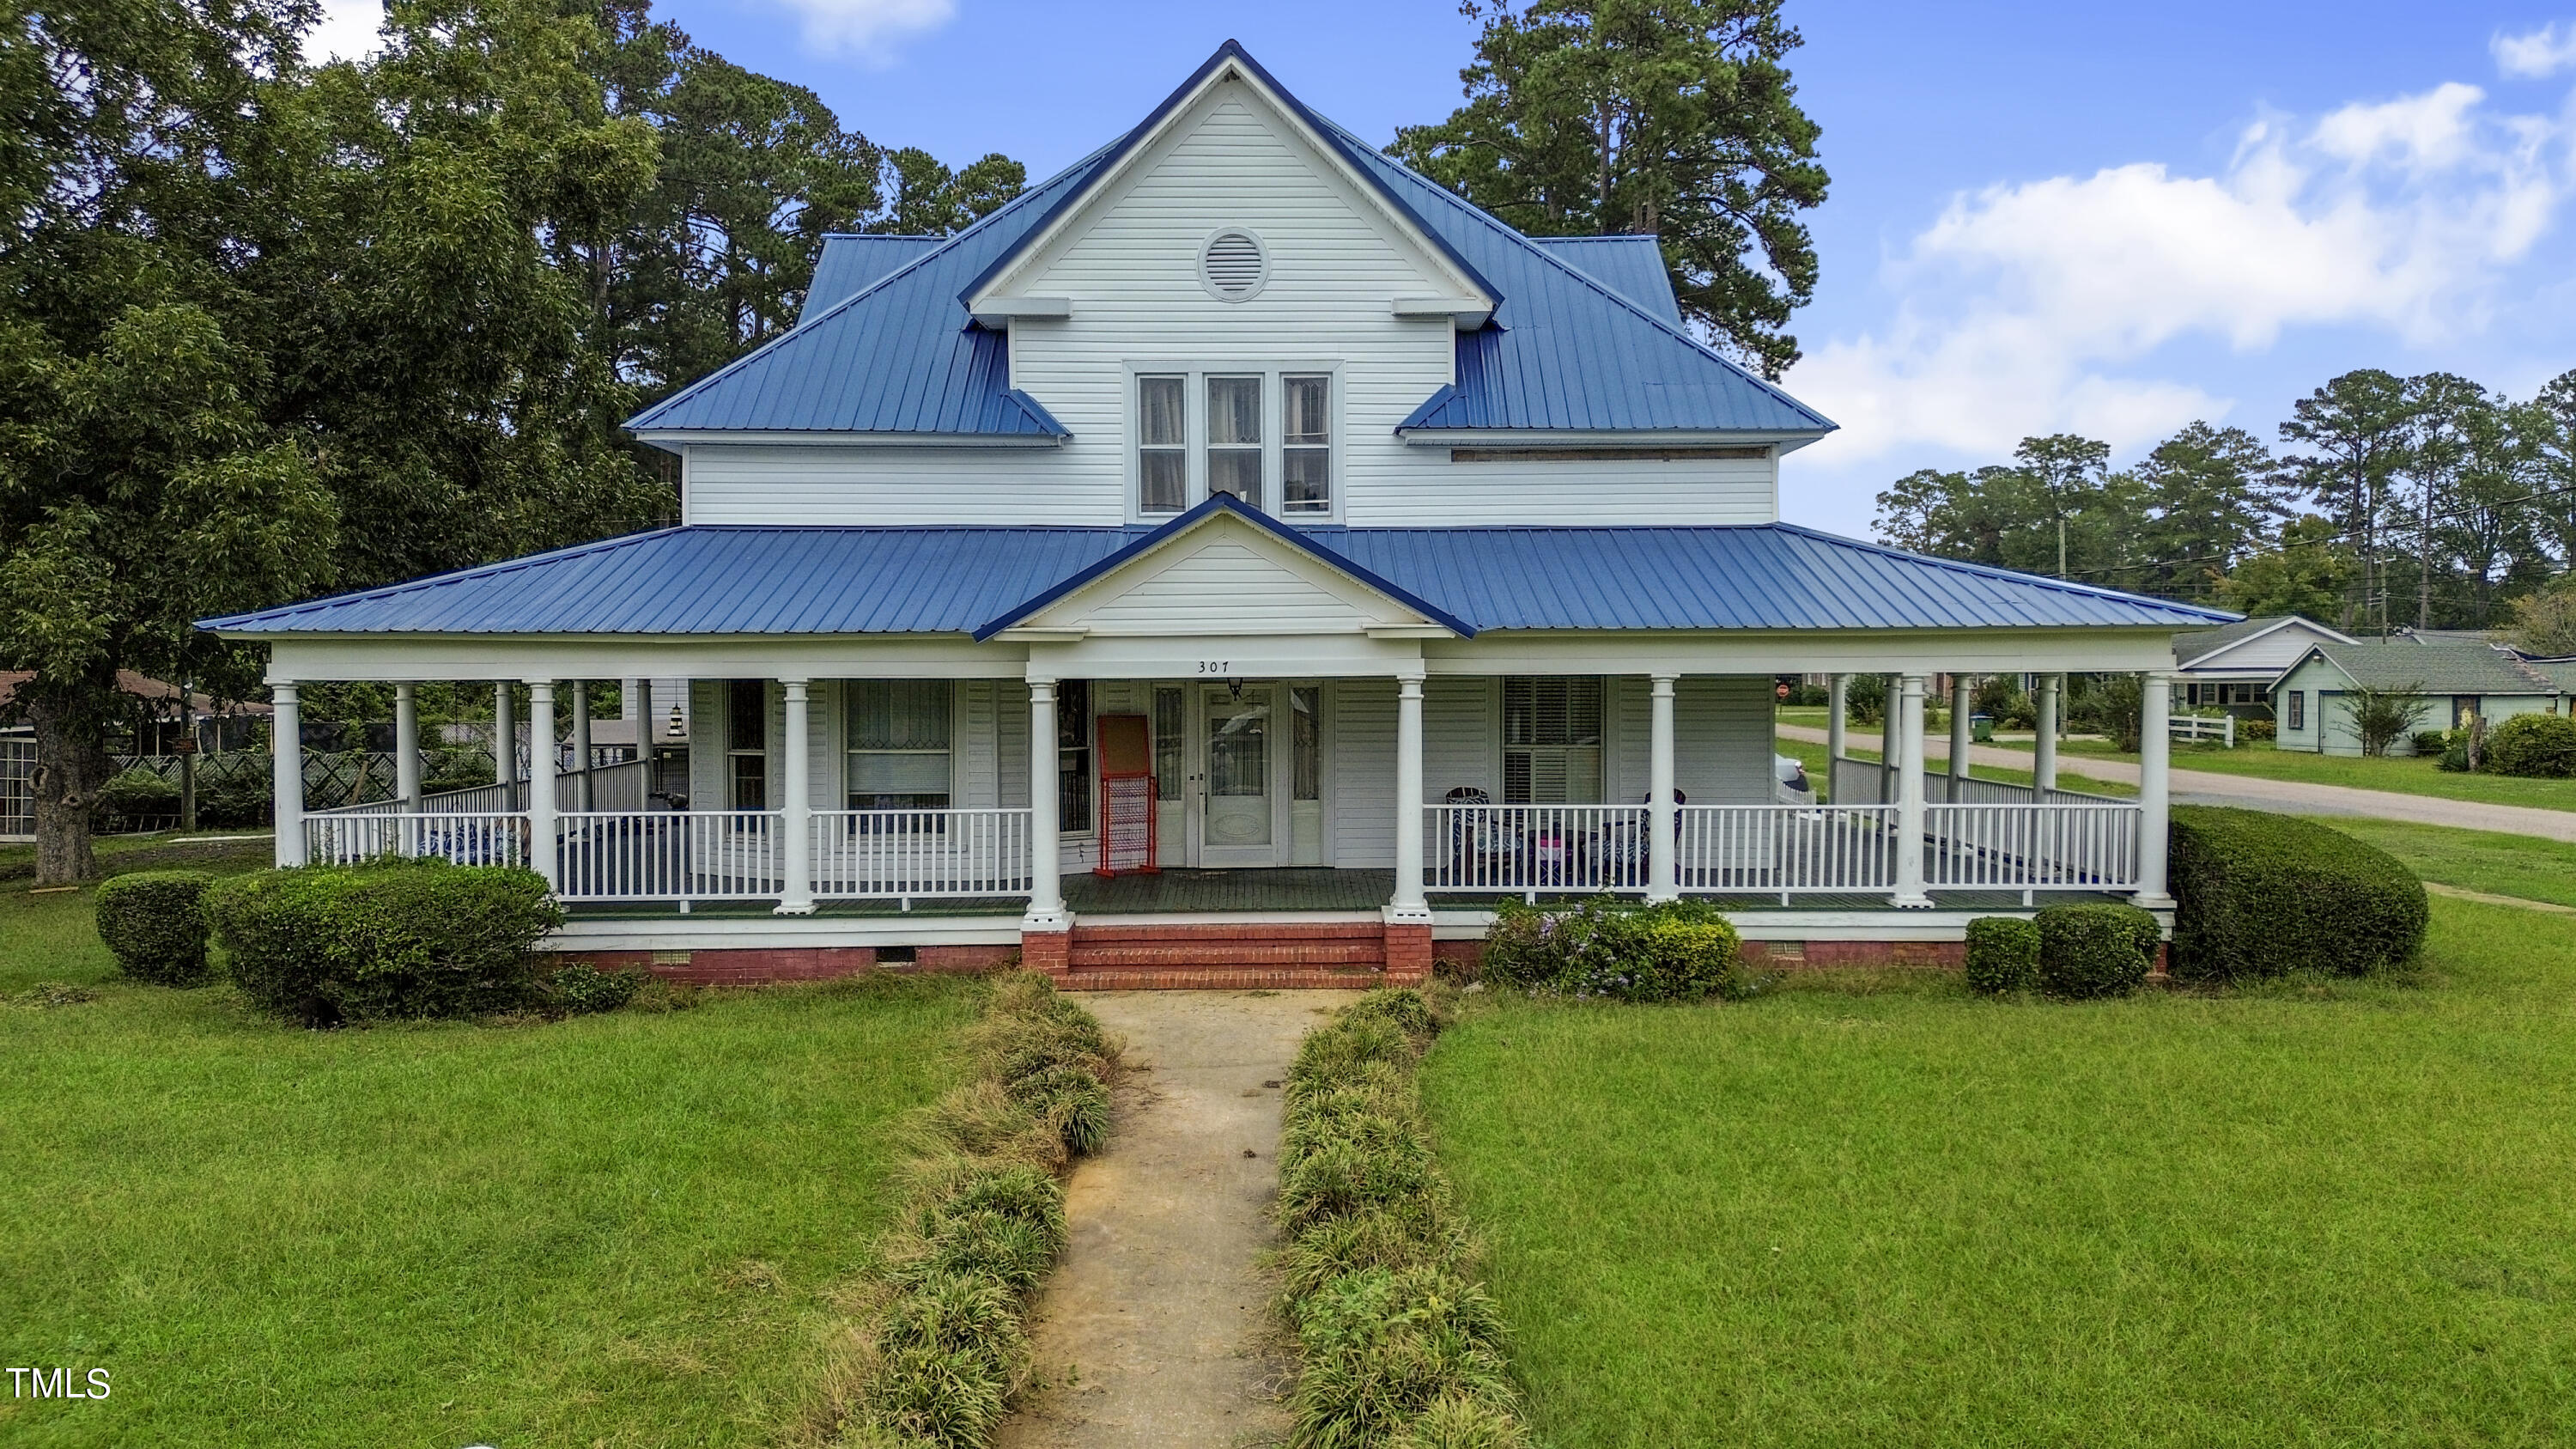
1240	500
2312	698
2232	667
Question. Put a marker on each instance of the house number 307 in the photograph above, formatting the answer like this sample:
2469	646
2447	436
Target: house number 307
1216	666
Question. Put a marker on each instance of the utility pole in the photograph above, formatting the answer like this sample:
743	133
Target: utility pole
2061	545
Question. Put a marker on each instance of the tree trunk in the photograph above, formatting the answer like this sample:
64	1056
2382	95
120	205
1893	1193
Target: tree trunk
70	767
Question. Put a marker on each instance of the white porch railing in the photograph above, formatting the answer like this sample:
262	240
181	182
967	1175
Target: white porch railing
1534	847
1865	782
1786	850
477	839
2031	848
477	799
666	855
901	854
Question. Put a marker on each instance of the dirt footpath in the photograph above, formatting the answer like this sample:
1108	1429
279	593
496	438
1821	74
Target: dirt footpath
1150	1332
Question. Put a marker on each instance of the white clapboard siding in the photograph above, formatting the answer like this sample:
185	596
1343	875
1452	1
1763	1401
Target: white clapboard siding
1722	742
1426	490
891	486
1461	736
1363	766
1011	754
1255	595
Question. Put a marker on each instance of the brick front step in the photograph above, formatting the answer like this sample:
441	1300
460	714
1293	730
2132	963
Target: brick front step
1356	955
1219	978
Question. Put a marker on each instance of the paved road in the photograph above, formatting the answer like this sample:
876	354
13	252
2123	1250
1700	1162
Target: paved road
2290	797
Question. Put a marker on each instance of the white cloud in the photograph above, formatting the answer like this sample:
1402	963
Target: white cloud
862	27
2543	52
2026	308
347	31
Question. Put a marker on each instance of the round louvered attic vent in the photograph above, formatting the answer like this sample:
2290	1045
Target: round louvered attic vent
1232	266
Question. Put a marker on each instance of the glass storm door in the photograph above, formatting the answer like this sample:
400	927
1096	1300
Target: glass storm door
1235	822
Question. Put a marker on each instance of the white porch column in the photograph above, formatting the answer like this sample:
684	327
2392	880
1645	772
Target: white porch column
505	735
407	745
1837	704
2155	759
1891	728
541	779
2043	752
1408	906
797	813
581	744
1963	697
1662	877
286	747
1909	796
1046	847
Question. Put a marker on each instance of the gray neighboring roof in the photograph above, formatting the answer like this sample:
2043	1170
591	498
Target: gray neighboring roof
2432	666
1632	266
954	579
2199	644
1565	350
852	260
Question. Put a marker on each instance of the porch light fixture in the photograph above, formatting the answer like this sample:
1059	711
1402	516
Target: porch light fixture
1234	688
676	730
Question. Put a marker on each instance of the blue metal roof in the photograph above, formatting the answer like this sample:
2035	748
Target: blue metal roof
1571	345
959	580
852	260
1632	266
898	356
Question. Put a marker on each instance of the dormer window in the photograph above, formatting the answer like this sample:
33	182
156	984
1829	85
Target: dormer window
1201	432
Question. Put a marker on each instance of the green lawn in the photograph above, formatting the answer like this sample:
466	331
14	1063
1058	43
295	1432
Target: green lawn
2321	1216
616	1230
2408	776
1813	757
2477	860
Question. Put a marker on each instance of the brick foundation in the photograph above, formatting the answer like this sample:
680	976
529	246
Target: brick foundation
766	966
1409	951
1047	951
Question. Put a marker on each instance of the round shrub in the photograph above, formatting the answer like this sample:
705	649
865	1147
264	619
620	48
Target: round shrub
1674	951
2262	895
2257	731
2003	954
325	945
582	988
155	924
138	793
2538	745
2095	950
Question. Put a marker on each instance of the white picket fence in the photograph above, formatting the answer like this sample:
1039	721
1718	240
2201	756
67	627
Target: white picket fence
2221	728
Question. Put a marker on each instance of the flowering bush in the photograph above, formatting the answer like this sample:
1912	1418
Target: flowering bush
1680	951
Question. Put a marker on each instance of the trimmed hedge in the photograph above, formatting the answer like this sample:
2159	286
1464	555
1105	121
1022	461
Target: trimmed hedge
1676	951
2003	954
2541	746
2263	895
326	945
947	1351
1399	1343
2095	950
155	923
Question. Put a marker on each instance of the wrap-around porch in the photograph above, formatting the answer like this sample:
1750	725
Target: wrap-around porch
1885	837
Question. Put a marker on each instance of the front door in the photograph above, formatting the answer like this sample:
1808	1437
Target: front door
1232	787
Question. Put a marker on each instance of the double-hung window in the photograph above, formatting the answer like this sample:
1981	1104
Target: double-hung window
747	743
1552	740
1234	437
899	733
1306	451
1265	437
1162	444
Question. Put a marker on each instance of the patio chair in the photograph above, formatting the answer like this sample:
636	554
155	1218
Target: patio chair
1471	843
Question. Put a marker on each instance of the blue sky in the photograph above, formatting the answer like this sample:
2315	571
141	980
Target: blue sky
2106	219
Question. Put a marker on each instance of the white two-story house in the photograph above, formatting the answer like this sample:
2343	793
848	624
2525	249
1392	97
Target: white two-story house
1237	552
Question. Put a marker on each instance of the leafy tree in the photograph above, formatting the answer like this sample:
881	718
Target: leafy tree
928	199
2382	717
2210	502
2058	489
1667	118
2488	528
2307	572
2544	621
2441	409
2354	433
2551	433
